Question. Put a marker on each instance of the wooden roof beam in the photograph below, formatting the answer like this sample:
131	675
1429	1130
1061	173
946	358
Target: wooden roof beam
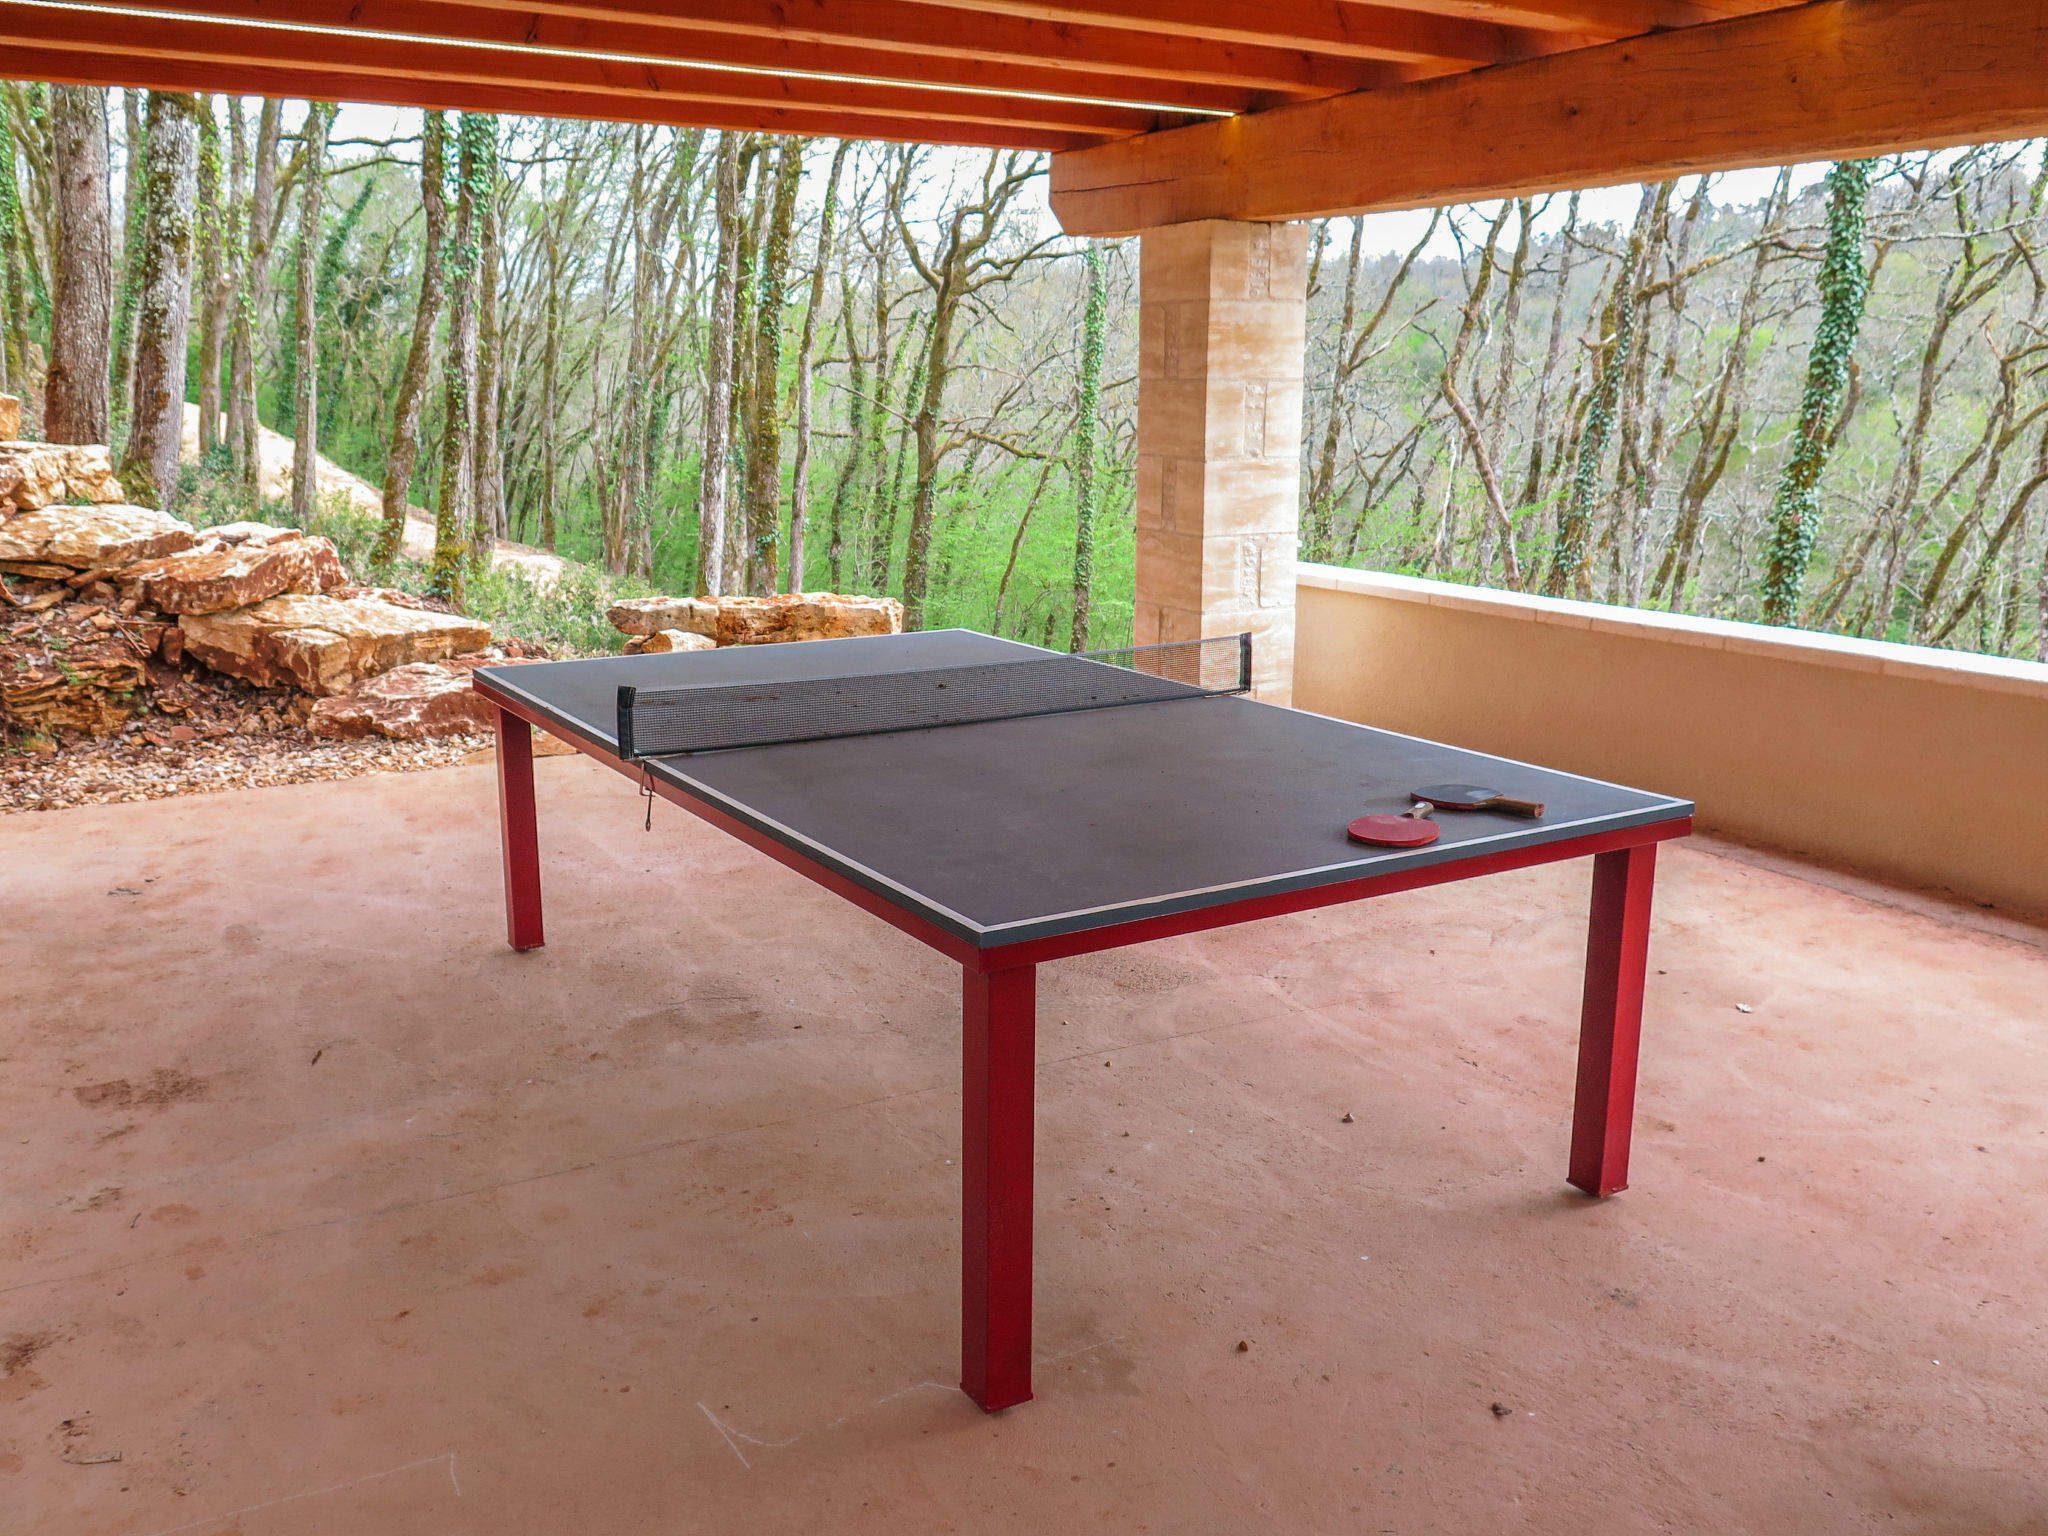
927	33
340	59
63	67
502	27
1825	80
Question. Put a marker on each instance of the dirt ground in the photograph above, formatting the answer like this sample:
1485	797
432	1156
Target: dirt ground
325	1213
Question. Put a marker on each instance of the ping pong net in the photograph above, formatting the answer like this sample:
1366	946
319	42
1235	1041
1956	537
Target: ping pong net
716	717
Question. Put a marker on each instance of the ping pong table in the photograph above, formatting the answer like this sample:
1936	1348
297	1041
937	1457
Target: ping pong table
1010	842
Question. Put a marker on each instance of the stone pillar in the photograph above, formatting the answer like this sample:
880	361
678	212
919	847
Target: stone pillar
1223	315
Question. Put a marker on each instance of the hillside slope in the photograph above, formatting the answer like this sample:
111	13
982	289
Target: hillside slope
276	452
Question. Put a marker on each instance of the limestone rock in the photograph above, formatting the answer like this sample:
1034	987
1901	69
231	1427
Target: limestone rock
391	595
651	615
33	474
805	616
251	533
10	416
761	620
93	538
669	640
323	645
412	702
37	475
93	686
89	476
213	580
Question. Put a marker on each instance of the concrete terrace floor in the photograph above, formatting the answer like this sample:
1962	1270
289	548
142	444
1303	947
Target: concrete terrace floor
332	1215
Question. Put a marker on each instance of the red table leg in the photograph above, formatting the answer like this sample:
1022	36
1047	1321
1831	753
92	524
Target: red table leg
995	1176
1617	954
521	836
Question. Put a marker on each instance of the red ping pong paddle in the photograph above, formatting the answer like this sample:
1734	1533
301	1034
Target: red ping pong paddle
1470	797
1393	831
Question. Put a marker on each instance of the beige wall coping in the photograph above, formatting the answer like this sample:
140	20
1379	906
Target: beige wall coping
1961	669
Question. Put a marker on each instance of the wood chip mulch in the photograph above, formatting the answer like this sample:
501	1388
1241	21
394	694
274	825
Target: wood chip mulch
131	766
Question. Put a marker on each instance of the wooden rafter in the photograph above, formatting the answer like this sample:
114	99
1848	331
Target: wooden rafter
501	26
64	68
171	40
923	33
1826	80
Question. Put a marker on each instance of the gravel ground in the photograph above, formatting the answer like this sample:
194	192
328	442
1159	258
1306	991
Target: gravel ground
132	766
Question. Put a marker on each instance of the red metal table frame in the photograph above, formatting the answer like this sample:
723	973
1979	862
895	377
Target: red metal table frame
998	1013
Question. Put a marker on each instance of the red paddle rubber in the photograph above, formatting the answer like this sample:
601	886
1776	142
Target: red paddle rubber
1392	831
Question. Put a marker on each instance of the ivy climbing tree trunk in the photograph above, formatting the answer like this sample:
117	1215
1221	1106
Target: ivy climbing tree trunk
1094	320
458	369
81	319
713	476
404	456
215	296
306	317
156	419
1844	290
1570	557
806	362
764	455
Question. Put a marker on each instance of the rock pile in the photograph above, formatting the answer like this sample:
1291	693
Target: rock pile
754	620
36	475
121	612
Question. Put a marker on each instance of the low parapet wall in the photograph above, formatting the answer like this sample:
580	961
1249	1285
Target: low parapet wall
1924	767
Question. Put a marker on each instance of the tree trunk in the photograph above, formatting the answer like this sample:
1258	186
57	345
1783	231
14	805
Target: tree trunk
712	475
215	295
457	507
149	471
1094	320
243	427
1844	287
1319	526
1568	561
806	361
75	408
490	457
764	456
15	366
551	353
305	320
403	458
856	435
136	143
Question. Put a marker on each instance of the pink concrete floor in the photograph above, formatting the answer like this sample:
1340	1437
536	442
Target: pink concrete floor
331	1215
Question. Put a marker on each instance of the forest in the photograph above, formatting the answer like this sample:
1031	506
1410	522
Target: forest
737	362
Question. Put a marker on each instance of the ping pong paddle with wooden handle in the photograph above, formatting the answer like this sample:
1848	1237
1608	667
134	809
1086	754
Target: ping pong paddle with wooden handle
1470	797
1411	829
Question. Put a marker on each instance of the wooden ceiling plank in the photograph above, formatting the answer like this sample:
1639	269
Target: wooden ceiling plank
1338	28
171	38
112	68
496	26
907	27
1825	80
1598	20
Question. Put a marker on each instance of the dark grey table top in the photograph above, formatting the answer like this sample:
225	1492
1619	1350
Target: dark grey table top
1019	829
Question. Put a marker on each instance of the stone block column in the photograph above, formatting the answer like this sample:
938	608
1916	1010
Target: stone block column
1223	313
